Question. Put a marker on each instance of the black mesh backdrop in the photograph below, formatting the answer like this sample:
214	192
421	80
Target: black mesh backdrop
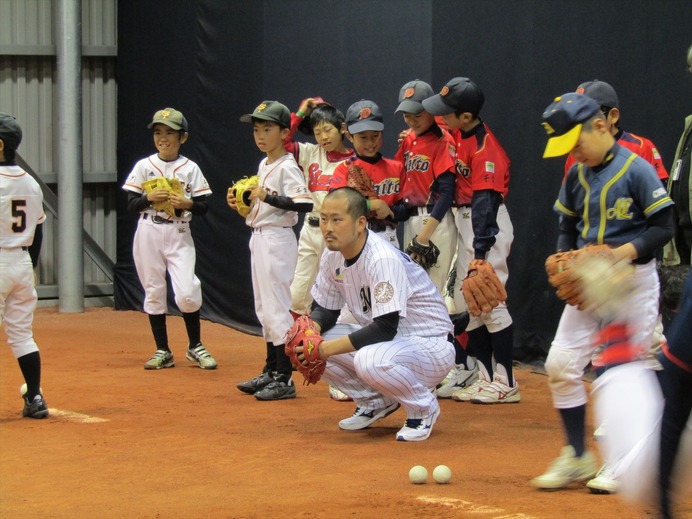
215	60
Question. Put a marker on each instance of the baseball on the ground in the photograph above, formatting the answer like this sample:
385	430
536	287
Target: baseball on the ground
22	390
418	475
442	474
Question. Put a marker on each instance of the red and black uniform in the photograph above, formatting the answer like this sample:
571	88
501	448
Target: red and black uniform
639	145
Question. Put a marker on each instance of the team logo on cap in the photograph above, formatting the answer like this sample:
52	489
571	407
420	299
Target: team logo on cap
409	92
444	91
165	114
580	90
261	107
365	113
548	129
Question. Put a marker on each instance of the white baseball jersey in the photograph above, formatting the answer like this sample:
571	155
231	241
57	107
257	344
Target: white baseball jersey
381	281
21	207
164	243
21	210
318	167
185	170
283	178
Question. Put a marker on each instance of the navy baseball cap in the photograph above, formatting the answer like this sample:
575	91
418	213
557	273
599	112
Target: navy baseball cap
563	121
270	111
10	131
459	94
601	92
411	96
362	116
171	118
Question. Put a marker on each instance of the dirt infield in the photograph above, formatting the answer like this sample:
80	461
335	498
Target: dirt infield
183	442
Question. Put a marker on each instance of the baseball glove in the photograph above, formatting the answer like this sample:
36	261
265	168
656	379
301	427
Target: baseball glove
425	255
570	271
303	333
241	191
482	289
172	185
359	180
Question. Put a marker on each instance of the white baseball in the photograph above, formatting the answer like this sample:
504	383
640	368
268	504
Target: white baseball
442	474
22	390
418	475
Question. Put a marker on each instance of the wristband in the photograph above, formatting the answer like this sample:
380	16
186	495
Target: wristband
300	114
367	201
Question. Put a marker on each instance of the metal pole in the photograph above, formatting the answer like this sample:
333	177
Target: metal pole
68	33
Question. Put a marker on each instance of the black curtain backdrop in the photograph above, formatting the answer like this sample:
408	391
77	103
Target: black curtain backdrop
217	59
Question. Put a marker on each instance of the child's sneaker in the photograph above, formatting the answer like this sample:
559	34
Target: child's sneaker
467	393
37	408
498	392
565	469
160	359
201	356
282	388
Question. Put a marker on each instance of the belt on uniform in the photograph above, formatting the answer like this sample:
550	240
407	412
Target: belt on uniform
14	248
313	221
380	225
416	211
159	219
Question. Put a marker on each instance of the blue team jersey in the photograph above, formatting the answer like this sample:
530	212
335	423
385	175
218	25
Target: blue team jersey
613	203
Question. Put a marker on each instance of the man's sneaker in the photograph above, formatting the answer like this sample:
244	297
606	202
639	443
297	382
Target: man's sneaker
282	388
362	418
160	359
338	395
457	379
418	429
466	394
253	385
498	392
604	482
566	469
37	408
201	356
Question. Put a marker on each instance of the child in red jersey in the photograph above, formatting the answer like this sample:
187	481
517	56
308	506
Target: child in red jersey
485	233
605	95
364	130
427	187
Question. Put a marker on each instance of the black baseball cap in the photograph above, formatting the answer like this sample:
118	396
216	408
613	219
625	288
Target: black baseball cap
601	92
10	131
459	94
270	111
362	116
411	95
171	118
563	120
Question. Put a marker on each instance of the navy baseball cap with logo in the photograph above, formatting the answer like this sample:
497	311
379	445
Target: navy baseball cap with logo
10	131
270	111
601	92
411	96
460	94
563	121
363	116
171	118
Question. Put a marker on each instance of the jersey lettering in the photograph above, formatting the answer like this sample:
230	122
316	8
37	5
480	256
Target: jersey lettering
463	169
387	187
365	299
621	210
18	215
318	178
417	163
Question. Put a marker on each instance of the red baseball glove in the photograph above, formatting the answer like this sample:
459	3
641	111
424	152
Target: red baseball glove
304	333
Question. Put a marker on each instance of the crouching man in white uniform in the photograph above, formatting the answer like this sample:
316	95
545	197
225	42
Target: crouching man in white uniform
400	349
